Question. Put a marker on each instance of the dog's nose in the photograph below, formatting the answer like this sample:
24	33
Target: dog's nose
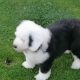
14	46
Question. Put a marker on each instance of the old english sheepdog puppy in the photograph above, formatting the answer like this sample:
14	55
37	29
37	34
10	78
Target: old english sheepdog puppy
41	46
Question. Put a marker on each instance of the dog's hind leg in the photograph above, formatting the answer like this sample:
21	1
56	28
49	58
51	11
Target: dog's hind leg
76	62
76	56
67	52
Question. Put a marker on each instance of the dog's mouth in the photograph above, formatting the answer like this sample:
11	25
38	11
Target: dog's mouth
19	50
16	49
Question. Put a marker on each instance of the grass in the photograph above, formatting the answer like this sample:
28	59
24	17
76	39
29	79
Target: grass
42	12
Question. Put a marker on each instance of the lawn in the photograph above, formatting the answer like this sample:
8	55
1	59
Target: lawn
43	12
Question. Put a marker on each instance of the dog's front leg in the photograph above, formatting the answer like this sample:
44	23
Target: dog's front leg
44	71
29	61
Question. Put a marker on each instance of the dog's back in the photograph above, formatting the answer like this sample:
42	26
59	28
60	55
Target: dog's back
65	35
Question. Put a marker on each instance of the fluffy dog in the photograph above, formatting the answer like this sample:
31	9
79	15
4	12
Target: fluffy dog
41	46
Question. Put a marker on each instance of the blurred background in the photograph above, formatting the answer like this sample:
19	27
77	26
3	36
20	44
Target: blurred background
43	12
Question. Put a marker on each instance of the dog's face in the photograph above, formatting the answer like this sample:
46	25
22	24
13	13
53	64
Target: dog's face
19	45
26	37
20	42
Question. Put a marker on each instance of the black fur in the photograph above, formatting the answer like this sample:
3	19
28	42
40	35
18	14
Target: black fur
65	36
30	43
39	48
30	40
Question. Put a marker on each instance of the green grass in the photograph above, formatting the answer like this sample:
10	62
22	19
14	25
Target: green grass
42	12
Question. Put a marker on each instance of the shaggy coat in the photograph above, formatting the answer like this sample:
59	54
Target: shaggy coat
65	36
44	45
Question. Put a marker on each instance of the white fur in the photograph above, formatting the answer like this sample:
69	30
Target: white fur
40	36
25	64
67	52
34	58
76	63
43	76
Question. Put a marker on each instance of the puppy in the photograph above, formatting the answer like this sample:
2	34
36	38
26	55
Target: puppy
41	46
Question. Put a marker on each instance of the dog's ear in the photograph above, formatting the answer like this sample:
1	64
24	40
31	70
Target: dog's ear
30	41
34	43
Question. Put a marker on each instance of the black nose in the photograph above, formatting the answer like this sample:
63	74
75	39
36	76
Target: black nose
14	46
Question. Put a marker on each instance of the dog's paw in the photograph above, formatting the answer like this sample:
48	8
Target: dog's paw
76	64
42	76
39	77
67	52
25	64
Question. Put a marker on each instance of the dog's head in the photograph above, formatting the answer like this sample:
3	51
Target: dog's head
28	36
20	42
